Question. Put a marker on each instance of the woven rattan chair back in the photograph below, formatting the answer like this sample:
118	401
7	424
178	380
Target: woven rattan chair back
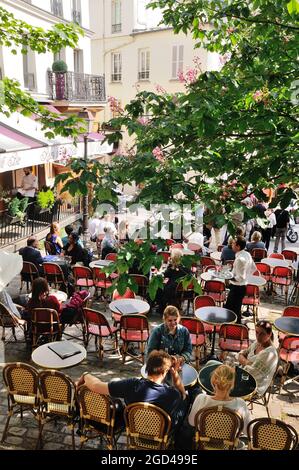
21	381
57	398
9	320
217	428
147	427
100	409
271	434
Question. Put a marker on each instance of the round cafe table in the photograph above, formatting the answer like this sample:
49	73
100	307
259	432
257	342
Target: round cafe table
215	316
244	387
100	263
188	374
44	357
254	280
273	262
59	294
288	325
138	306
216	256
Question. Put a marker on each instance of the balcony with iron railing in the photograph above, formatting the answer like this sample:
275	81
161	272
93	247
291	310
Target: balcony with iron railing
72	86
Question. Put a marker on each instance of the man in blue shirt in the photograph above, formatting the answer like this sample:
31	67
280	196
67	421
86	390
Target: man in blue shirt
171	399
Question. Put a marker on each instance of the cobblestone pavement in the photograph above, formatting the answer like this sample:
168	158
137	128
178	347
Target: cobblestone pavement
23	433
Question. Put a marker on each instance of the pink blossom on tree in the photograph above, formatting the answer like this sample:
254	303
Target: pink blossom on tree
143	120
115	105
258	96
160	89
158	154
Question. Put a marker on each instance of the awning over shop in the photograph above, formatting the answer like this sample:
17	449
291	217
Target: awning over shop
19	149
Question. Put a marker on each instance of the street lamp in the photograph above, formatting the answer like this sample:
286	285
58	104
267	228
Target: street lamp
87	117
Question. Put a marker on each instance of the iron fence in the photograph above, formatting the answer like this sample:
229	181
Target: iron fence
13	229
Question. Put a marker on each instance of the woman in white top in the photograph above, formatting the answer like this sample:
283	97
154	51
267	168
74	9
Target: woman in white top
261	358
222	381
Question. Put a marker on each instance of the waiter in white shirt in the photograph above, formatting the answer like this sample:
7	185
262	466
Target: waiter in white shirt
242	268
29	185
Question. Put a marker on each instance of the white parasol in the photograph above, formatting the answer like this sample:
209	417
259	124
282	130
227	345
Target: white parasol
11	264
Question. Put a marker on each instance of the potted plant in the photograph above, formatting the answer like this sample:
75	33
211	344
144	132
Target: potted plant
16	210
45	200
59	67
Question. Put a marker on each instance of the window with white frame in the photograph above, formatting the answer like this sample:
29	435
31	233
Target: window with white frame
177	61
116	67
57	8
59	55
78	61
144	64
28	68
76	11
115	16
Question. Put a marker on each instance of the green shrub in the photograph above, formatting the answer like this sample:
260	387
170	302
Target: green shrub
17	208
46	199
59	66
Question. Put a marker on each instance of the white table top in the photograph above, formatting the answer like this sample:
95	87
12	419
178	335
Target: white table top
59	294
139	305
254	280
273	262
216	255
48	359
100	263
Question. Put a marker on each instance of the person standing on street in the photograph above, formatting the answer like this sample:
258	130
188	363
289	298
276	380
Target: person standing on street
243	267
282	222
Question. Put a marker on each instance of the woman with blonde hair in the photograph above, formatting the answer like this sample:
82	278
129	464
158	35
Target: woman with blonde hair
54	238
175	270
256	242
171	337
222	381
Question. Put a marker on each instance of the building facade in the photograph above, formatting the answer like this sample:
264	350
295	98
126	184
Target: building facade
67	93
136	52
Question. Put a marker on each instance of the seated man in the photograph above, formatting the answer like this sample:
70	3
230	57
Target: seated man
171	399
31	254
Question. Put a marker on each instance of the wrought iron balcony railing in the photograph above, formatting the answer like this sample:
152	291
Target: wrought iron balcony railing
73	86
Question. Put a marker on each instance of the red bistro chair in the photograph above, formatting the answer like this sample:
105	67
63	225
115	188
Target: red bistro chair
276	255
134	329
54	275
233	337
282	277
252	298
290	255
98	326
83	277
290	311
258	254
288	353
102	281
197	335
204	301
215	289
111	257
